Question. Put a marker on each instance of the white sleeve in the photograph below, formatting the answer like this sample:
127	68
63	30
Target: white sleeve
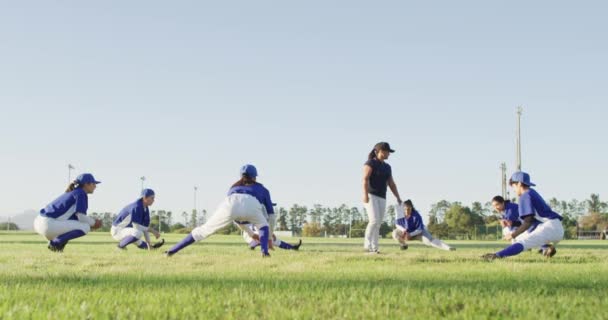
400	220
85	219
140	227
415	233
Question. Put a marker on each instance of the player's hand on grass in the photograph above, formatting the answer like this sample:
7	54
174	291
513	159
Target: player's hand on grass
509	237
97	225
270	244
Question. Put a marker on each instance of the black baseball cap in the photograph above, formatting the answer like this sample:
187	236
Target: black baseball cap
384	146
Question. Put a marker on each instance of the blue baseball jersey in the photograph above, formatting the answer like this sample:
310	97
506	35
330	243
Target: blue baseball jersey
258	191
532	204
67	205
511	213
412	224
136	212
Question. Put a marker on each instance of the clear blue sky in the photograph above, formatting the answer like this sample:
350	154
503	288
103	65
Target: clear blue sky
186	92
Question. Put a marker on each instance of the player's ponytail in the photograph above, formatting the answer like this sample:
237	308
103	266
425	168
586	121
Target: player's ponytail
372	154
244	181
72	186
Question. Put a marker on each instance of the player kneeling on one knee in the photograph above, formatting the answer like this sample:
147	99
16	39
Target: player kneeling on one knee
133	223
410	226
66	217
247	200
252	237
509	215
532	207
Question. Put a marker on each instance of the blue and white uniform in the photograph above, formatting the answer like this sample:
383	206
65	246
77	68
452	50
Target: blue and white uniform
415	227
66	217
548	230
132	223
244	204
249	231
510	214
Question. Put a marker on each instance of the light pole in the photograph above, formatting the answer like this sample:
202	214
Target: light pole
70	168
143	179
503	169
195	211
520	110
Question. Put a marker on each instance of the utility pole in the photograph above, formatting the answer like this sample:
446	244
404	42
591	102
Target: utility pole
70	168
503	169
143	179
520	110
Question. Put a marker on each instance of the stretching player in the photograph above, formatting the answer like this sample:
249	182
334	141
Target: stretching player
411	227
245	202
509	215
133	223
531	207
252	237
66	218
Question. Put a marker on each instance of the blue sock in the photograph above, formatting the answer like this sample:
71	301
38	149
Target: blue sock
127	241
511	250
143	245
64	238
264	233
285	245
182	244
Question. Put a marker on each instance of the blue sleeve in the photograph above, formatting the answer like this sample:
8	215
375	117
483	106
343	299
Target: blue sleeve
514	213
82	201
268	202
401	222
137	216
525	205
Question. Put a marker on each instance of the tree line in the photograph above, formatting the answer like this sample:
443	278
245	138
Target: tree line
449	220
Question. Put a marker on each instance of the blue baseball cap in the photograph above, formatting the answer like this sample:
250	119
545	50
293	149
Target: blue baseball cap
249	170
522	177
147	193
86	178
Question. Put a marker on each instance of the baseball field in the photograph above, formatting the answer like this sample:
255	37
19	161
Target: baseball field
327	279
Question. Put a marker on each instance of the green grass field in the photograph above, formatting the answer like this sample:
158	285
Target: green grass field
328	279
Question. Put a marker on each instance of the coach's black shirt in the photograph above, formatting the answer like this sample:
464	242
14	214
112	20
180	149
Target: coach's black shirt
378	181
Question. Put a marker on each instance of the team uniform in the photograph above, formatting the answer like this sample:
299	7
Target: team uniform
244	204
250	231
415	227
376	207
131	224
548	229
511	215
66	217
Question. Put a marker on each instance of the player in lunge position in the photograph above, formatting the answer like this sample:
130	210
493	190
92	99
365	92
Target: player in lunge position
532	207
247	200
66	218
133	223
410	226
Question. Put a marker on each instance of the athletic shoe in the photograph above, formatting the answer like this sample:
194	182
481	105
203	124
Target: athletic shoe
158	244
373	252
297	246
490	257
168	254
404	247
118	248
265	255
550	252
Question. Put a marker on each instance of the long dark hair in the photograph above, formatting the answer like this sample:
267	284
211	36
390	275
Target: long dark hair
372	154
245	180
409	204
72	186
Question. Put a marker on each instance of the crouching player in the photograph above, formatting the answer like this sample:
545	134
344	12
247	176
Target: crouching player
133	223
252	237
509	215
410	226
532	207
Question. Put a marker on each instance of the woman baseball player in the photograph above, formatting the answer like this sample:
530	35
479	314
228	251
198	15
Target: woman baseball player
377	176
66	218
509	215
248	201
410	226
133	223
532	207
252	238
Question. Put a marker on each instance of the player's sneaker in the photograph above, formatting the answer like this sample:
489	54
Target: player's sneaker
120	249
265	255
168	254
404	247
373	252
490	257
54	248
158	244
549	252
297	246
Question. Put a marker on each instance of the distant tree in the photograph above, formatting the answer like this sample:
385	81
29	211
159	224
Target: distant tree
185	217
439	209
282	219
297	217
594	204
177	226
316	213
461	219
8	226
356	214
311	229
